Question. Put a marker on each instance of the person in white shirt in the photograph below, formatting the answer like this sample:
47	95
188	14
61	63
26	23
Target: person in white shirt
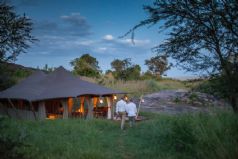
121	111
131	111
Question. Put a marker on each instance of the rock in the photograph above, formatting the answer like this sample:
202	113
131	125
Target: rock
179	101
198	103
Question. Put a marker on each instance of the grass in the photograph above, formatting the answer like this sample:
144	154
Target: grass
139	87
161	136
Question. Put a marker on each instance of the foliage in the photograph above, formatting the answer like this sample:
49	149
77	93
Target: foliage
125	70
215	86
6	80
157	65
153	85
11	140
86	65
15	33
212	136
147	75
133	72
10	76
203	36
193	96
177	100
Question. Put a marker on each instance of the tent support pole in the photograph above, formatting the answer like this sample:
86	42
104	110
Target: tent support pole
64	103
41	110
90	108
112	107
33	110
109	110
9	100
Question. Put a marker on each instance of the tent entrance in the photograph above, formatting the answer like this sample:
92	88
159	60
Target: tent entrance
54	109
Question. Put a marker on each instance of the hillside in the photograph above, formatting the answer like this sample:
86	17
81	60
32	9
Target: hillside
13	67
11	74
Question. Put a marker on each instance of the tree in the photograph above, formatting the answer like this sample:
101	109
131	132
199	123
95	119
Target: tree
15	33
157	65
203	36
133	72
125	70
147	75
120	67
86	65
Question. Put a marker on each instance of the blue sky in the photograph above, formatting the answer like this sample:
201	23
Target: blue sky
66	29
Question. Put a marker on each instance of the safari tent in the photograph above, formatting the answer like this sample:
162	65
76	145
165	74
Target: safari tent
57	95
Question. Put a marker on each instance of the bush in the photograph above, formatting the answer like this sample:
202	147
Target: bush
218	87
152	86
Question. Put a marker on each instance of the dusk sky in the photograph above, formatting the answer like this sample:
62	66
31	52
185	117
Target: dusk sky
66	29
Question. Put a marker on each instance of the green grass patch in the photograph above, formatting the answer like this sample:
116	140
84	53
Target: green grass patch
213	136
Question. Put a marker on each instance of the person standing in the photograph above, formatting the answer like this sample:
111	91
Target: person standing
121	111
131	111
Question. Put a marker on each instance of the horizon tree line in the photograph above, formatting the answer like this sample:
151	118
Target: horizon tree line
87	65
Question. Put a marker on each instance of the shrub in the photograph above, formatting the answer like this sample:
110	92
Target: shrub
152	85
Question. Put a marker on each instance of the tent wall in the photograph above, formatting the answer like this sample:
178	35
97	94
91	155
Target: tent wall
39	110
17	113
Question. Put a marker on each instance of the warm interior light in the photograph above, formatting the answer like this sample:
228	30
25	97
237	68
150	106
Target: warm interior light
100	100
78	110
52	116
126	98
115	97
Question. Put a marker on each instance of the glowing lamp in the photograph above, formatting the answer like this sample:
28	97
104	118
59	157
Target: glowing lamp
115	97
100	100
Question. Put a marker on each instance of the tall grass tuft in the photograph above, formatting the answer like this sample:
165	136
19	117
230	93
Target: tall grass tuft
188	136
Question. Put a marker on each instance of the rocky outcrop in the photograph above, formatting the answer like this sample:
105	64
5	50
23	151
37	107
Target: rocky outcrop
181	101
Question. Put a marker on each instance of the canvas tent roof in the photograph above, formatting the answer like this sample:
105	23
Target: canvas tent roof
58	84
